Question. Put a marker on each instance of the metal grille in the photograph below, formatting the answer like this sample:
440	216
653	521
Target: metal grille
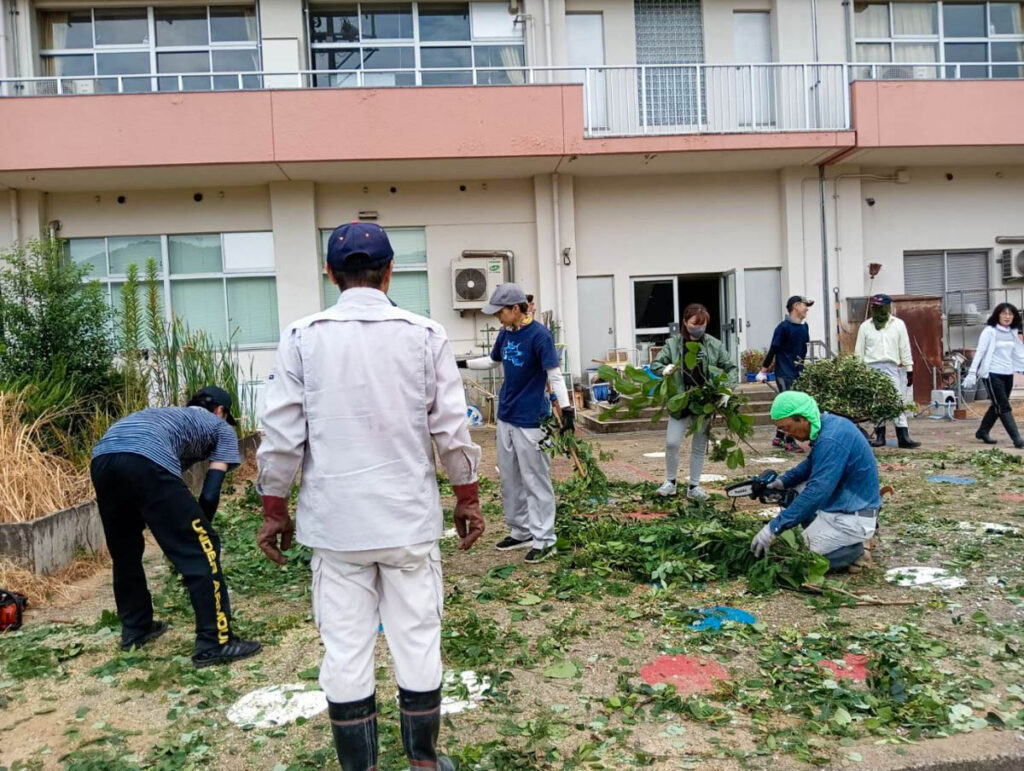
670	32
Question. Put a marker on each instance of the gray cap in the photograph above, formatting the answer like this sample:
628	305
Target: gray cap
504	295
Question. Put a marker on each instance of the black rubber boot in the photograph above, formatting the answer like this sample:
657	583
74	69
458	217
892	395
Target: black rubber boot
903	439
421	724
1011	428
354	724
879	440
987	421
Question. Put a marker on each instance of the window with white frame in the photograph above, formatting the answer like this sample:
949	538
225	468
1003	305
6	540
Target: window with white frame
221	283
960	278
370	44
917	33
141	43
409	287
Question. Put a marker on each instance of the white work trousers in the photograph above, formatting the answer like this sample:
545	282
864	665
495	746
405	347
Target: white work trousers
830	531
899	381
353	592
677	428
527	497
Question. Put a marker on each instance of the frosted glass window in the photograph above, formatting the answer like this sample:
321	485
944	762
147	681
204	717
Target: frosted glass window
201	304
918	19
409	291
252	310
871	19
248	252
492	20
90	252
194	254
410	245
137	250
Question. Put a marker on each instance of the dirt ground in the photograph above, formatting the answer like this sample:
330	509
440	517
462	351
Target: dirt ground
564	658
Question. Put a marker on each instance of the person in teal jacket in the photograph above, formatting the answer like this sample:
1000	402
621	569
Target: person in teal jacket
713	360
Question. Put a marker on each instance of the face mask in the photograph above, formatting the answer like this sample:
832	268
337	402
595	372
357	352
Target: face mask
879	316
696	332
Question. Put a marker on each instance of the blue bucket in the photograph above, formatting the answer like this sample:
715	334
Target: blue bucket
600	391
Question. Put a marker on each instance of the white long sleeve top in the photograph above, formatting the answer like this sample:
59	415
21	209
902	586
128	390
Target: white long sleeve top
1000	352
360	395
890	344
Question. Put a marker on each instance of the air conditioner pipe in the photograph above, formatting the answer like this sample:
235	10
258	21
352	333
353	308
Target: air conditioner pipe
557	237
1010	239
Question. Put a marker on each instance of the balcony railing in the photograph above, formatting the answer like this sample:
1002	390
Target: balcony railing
618	100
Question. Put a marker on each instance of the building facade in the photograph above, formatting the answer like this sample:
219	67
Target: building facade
619	159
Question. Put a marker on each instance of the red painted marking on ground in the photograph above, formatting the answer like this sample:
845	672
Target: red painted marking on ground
854	666
640	472
1015	497
689	675
641	516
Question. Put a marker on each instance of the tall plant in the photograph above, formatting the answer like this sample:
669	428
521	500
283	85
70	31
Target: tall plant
52	318
846	386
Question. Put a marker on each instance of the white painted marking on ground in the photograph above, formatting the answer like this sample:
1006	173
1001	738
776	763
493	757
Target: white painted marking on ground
769	459
654	455
991	528
462	691
923	576
712	478
277	705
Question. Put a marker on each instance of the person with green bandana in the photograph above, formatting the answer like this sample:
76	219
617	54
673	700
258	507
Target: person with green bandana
838	506
884	345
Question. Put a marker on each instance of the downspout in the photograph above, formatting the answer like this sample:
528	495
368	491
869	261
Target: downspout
13	32
15	224
847	23
814	31
548	52
557	237
3	43
825	294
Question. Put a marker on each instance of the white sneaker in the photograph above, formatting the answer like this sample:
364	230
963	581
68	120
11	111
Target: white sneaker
667	489
696	494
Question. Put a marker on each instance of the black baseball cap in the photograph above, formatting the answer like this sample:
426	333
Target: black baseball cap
216	396
359	246
798	299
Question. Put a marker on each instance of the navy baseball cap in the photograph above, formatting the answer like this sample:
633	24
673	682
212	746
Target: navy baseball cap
798	299
880	299
359	246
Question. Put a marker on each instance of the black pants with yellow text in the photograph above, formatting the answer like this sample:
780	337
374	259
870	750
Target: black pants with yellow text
133	493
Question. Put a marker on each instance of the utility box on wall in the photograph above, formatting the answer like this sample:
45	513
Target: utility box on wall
923	317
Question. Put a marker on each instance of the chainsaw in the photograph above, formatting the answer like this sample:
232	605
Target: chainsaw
12	605
756	488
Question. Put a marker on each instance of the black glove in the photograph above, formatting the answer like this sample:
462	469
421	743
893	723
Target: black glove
910	378
209	498
568	420
462	363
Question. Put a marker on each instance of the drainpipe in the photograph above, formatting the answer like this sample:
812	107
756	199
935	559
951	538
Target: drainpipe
3	42
848	25
15	224
549	60
824	255
557	231
12	31
814	31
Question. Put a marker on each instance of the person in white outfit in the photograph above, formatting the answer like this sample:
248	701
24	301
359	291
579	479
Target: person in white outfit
1000	353
526	351
883	343
360	396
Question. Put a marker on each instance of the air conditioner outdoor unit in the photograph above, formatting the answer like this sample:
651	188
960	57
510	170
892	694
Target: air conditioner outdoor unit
474	280
1012	265
83	87
905	72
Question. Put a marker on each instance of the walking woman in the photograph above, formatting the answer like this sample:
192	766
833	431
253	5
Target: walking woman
712	360
1000	354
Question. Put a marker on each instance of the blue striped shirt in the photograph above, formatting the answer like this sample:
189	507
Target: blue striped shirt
172	437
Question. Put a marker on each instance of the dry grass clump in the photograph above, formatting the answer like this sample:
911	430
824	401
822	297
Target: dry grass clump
59	588
33	483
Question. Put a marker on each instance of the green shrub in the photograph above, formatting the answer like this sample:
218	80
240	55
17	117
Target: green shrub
846	386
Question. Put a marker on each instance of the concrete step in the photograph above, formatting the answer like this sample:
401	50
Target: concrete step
618	425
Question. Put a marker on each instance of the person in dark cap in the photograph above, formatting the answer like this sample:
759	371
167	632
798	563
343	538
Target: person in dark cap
361	395
883	343
788	350
137	472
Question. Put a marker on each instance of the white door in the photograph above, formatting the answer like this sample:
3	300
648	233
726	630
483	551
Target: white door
763	301
752	45
731	321
597	318
584	34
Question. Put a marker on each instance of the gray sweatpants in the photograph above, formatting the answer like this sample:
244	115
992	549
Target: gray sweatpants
527	497
677	428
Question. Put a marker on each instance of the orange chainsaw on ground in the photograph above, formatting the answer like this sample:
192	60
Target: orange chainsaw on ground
12	607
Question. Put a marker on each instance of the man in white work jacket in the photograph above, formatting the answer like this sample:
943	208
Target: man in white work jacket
883	343
360	396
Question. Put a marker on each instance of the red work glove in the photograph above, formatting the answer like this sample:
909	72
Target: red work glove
469	524
276	522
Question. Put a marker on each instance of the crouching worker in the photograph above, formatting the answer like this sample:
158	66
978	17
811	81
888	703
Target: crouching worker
838	507
136	470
